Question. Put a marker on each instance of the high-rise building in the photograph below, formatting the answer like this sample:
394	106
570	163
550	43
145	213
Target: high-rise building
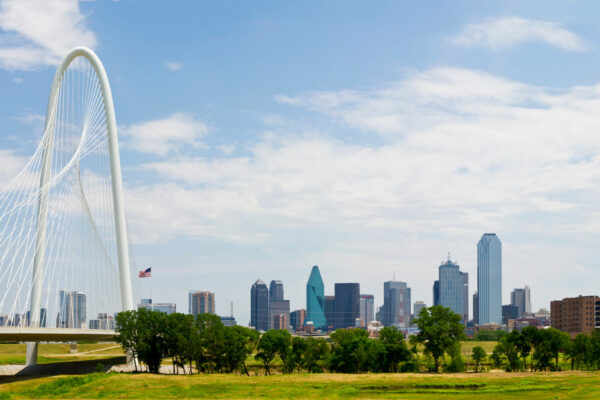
454	289
276	290
201	302
315	299
259	306
418	306
330	315
475	308
42	322
367	309
72	309
436	293
489	279
297	318
465	296
104	321
347	304
277	305
576	315
167	308
228	320
280	321
509	311
396	304
522	299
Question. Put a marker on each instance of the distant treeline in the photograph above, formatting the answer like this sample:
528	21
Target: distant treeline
204	342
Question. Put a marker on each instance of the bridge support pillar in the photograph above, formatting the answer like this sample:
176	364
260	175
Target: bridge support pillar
32	353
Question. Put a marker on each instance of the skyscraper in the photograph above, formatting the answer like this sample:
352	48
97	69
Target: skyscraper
72	310
489	279
297	318
436	293
522	299
419	305
465	296
367	308
347	304
315	299
278	306
451	288
200	302
259	306
475	308
396	304
330	315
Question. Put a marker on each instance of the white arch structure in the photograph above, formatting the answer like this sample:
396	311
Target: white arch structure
45	178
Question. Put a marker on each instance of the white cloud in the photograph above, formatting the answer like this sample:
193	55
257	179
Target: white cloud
463	152
10	165
165	135
501	33
18	80
173	66
38	33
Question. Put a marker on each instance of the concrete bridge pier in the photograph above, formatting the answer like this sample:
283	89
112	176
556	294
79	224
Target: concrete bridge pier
32	353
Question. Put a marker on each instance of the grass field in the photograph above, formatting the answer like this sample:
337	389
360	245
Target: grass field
563	385
55	352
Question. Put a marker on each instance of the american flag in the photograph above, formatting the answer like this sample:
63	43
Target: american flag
145	274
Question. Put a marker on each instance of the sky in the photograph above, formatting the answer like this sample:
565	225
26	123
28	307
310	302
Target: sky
369	138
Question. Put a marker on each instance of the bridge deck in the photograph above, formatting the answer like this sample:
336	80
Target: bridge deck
16	334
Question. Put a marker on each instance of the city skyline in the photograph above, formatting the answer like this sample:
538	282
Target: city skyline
264	153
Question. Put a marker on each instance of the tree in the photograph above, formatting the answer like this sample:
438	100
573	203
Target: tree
275	342
395	349
594	353
209	354
152	346
239	343
479	355
293	359
529	336
550	342
351	351
507	348
316	354
178	334
578	350
439	330
129	336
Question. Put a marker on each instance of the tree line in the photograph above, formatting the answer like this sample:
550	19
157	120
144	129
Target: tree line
205	343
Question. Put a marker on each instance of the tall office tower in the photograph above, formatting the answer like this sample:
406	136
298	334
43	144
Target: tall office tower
475	308
419	305
72	309
280	321
451	288
509	311
330	315
277	305
259	306
367	309
396	304
465	296
522	299
347	304
315	299
276	290
436	293
201	302
297	318
42	321
489	279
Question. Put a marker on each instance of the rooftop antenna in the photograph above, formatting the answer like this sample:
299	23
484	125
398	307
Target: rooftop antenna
394	275
232	309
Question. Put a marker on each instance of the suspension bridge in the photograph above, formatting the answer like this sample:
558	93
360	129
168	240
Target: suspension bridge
64	254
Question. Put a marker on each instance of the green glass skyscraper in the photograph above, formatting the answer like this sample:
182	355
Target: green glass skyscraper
315	299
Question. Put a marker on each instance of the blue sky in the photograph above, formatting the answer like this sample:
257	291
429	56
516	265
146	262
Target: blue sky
261	138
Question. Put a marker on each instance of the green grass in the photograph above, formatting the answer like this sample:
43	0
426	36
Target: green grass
55	352
566	385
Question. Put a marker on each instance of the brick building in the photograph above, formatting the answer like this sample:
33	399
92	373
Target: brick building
576	314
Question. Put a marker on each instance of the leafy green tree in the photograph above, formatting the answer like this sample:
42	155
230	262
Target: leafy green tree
129	335
240	342
179	330
293	359
593	359
316	354
210	350
549	344
529	336
507	348
439	330
578	350
479	355
457	363
352	351
152	346
275	342
395	349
